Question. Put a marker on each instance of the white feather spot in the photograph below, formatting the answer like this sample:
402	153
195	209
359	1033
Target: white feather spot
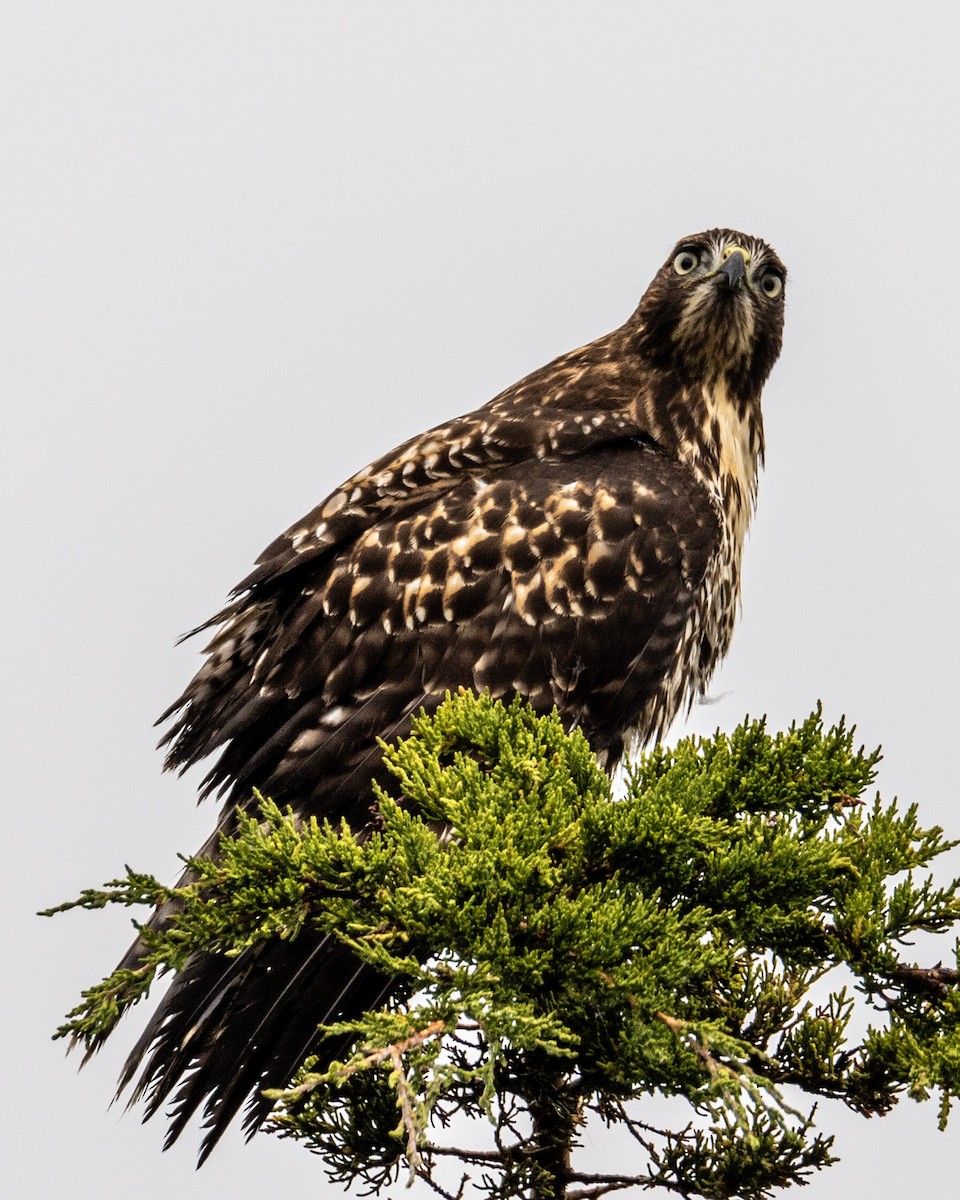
308	740
334	504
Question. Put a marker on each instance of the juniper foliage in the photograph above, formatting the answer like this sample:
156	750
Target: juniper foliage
716	935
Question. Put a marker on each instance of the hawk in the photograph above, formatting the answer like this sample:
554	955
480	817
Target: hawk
576	541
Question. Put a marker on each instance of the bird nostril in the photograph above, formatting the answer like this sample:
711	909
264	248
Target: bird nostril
728	250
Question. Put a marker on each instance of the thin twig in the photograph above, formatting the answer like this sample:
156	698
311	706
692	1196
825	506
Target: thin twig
611	1183
680	1028
427	1178
633	1125
373	1059
478	1156
601	1190
406	1100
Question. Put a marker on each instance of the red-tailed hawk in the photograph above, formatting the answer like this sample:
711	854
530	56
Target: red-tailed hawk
577	541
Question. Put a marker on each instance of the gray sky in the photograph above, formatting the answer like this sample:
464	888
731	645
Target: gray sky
247	247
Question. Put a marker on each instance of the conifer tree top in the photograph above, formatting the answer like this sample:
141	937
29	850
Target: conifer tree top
561	953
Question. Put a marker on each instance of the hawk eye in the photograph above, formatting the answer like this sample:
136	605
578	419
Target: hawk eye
772	284
685	261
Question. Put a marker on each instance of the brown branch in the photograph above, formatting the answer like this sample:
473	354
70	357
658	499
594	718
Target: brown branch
680	1028
608	1183
428	1179
634	1127
602	1189
518	1154
373	1059
406	1100
926	981
479	1156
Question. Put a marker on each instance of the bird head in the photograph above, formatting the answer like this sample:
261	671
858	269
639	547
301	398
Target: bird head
715	309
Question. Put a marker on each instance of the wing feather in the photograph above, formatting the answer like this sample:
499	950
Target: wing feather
539	578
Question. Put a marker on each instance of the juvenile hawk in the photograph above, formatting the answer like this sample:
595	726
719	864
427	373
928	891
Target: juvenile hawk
577	541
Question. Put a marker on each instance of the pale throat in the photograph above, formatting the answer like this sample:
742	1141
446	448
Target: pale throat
726	453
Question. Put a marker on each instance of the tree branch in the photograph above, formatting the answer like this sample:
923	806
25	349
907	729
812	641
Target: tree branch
929	981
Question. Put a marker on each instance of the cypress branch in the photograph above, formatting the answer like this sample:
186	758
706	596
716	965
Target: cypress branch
568	954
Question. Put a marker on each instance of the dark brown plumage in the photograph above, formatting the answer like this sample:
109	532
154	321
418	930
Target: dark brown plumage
576	540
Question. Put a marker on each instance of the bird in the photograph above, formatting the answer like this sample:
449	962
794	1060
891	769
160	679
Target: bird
577	542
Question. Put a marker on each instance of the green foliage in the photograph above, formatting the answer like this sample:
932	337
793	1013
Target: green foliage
568	953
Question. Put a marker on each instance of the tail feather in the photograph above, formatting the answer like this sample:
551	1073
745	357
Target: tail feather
228	1029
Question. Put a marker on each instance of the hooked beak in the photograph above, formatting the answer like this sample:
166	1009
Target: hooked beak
733	269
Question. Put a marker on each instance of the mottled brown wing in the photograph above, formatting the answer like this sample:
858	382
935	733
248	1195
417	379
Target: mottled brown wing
512	428
567	581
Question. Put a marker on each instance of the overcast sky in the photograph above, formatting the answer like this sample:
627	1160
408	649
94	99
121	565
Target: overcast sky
248	247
